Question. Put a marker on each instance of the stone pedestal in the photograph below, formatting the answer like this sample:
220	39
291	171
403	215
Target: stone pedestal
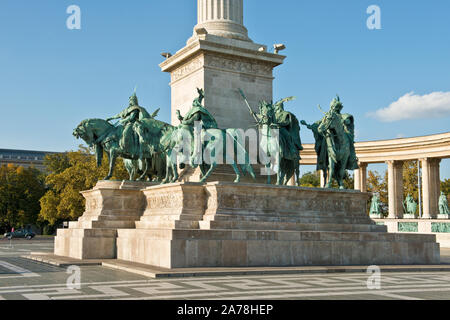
224	173
242	225
110	205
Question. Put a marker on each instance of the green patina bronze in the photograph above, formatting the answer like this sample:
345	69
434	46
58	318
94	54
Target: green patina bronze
279	139
213	142
335	143
408	227
409	205
440	227
136	138
443	204
375	206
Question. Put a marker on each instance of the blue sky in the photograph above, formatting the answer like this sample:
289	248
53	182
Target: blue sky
51	77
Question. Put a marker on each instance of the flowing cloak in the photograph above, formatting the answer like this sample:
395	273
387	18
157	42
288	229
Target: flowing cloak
290	133
349	128
138	134
143	114
374	206
203	115
320	147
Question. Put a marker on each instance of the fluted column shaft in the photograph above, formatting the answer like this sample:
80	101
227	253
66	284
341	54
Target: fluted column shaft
212	10
395	189
430	187
223	18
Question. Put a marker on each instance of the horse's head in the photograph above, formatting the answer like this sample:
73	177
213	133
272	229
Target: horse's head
91	129
328	122
266	113
82	131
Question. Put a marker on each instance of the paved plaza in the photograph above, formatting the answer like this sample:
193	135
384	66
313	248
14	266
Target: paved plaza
21	278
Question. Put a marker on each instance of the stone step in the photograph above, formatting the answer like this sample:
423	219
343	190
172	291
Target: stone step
103	224
79	232
172	224
294	226
275	235
290	218
107	217
172	217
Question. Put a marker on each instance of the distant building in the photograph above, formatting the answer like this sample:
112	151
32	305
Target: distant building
24	158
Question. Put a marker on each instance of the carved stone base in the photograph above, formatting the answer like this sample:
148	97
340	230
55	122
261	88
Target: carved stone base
225	173
110	205
242	225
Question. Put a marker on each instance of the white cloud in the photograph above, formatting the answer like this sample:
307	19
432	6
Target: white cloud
413	106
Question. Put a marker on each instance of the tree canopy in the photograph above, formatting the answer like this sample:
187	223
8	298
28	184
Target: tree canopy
70	173
20	191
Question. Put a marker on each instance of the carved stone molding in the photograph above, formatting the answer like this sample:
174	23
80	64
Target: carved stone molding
238	65
187	68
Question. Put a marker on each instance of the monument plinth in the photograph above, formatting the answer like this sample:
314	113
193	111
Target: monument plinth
220	58
110	205
222	224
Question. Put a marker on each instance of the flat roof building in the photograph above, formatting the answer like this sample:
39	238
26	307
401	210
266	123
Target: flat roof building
24	158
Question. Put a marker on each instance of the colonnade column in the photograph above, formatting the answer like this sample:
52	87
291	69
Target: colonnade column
395	189
360	177
430	187
322	179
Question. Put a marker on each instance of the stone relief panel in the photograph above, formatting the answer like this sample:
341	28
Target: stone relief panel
187	68
238	65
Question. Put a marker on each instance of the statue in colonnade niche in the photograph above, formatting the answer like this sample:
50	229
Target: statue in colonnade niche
443	204
375	206
335	143
409	205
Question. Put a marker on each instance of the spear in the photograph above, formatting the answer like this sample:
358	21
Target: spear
248	105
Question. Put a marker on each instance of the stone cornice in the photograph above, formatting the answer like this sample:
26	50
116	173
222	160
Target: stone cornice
221	46
432	146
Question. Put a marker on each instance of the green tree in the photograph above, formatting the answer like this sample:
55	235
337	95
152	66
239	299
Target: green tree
20	191
68	175
410	180
310	179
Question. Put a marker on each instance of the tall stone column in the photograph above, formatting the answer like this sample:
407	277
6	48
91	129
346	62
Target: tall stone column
363	174
395	189
221	58
360	177
223	18
430	187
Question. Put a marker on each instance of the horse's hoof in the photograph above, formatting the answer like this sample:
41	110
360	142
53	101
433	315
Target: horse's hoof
237	180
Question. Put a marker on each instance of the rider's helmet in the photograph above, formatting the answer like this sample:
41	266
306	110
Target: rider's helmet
133	99
336	105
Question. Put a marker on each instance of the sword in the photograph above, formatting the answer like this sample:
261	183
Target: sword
248	105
